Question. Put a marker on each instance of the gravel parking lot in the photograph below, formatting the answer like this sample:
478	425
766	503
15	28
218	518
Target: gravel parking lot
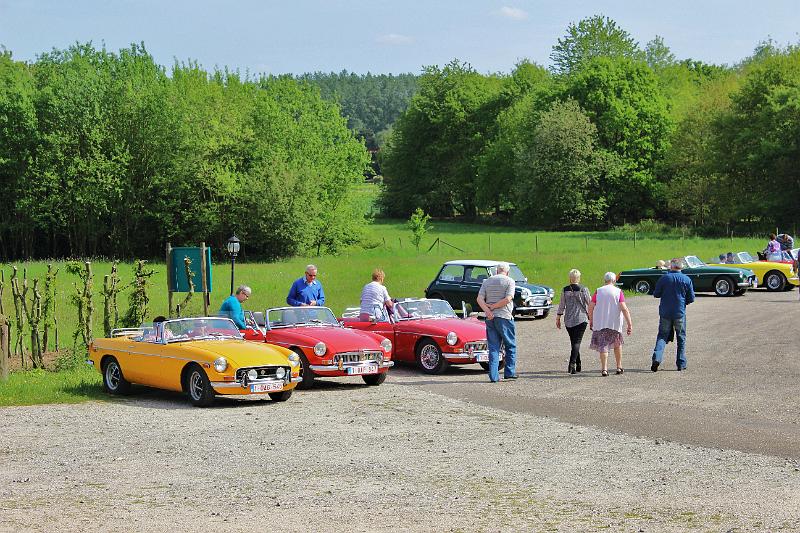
716	448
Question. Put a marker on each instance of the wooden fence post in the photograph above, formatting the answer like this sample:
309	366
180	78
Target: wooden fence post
4	348
634	239
537	244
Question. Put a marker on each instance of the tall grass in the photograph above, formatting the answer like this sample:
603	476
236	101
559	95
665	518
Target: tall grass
41	386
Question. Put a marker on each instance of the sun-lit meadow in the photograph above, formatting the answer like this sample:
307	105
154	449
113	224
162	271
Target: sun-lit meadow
545	257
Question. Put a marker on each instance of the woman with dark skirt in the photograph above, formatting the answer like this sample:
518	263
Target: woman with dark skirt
574	307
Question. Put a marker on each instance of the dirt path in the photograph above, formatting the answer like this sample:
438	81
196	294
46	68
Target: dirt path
450	453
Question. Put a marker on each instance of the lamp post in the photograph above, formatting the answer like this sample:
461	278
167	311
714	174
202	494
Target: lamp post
233	249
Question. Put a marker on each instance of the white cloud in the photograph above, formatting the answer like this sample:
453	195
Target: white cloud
394	38
513	13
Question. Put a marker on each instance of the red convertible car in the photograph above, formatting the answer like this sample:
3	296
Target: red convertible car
427	332
326	349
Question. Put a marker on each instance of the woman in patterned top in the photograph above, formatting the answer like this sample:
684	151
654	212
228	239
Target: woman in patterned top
574	306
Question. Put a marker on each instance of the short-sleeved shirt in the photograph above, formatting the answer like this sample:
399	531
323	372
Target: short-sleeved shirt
373	295
494	289
607	313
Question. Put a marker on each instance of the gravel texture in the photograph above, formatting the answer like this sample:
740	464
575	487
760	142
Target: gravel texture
450	453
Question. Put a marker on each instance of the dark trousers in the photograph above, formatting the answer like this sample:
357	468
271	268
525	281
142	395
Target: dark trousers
575	338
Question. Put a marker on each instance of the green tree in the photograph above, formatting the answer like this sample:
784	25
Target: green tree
431	158
622	98
757	140
592	37
419	226
560	171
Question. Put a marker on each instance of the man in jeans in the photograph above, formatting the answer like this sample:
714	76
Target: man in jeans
676	292
496	298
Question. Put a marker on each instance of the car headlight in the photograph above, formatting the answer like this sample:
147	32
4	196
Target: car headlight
252	374
320	349
386	344
280	373
525	293
294	359
220	364
452	338
551	292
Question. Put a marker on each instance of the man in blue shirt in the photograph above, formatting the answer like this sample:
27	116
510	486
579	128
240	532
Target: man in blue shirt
306	290
232	306
676	292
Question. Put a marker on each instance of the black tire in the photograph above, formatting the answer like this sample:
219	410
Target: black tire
643	286
430	358
305	371
198	387
114	381
373	380
280	396
775	281
724	286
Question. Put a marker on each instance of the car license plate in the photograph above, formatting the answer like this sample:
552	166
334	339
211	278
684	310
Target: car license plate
266	387
482	357
539	312
363	369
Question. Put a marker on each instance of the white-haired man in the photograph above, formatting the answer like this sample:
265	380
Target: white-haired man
306	290
496	298
232	306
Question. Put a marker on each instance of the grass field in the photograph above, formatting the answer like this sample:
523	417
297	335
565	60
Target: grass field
545	257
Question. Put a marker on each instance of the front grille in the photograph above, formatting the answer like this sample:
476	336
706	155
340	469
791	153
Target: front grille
475	347
264	372
357	357
538	301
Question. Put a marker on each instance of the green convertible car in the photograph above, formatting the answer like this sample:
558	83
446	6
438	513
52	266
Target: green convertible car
724	281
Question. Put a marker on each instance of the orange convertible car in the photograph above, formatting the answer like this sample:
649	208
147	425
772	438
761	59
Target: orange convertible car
202	357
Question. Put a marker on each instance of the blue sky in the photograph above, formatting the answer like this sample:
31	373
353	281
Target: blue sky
383	36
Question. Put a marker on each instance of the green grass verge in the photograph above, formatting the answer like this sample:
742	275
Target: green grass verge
41	386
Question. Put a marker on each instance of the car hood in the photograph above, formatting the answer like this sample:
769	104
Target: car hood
337	339
535	289
467	330
239	353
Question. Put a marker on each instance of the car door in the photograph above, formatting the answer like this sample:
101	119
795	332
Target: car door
450	285
473	279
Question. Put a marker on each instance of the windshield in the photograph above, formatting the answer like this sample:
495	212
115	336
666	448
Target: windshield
745	257
412	309
514	273
190	329
692	261
285	317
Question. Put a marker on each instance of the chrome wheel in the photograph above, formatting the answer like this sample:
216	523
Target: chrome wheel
113	375
723	287
642	286
775	281
114	381
196	385
429	356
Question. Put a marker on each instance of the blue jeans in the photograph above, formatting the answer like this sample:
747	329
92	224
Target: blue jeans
501	331
665	328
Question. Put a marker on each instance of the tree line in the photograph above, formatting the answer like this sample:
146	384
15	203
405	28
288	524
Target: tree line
110	154
612	132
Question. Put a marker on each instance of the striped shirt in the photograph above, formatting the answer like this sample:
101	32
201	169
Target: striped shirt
496	288
373	295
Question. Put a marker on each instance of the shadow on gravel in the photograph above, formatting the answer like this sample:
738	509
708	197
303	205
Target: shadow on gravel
141	396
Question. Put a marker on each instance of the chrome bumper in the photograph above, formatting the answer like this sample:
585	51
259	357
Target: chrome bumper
466	356
333	368
534	308
233	384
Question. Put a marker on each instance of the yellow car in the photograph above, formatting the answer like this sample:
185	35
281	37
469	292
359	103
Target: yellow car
202	357
774	276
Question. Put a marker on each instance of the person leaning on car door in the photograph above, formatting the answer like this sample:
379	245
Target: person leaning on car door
496	298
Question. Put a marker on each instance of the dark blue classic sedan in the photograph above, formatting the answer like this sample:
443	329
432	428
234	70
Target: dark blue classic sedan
458	282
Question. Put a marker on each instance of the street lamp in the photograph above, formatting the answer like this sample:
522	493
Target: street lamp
233	249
